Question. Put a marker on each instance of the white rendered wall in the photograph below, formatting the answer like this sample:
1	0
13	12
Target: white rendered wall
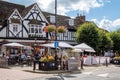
3	32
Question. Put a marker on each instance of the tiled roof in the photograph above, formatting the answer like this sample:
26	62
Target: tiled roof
6	8
27	9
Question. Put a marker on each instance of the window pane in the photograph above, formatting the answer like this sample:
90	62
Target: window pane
36	30
15	28
40	30
32	30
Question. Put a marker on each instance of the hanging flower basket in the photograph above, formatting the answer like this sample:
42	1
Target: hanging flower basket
50	28
61	29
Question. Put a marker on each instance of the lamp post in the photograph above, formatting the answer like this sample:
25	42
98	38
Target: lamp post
55	13
56	43
55	24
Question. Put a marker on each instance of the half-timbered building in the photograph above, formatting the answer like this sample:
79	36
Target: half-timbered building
70	23
25	24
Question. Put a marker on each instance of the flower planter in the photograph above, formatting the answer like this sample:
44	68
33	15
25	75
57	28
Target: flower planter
115	61
50	28
47	66
61	29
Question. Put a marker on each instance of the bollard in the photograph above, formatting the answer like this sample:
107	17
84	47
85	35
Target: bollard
106	62
82	63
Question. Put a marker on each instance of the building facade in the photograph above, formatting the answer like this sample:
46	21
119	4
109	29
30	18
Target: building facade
26	24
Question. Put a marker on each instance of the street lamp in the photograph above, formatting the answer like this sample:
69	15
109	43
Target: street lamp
56	43
55	25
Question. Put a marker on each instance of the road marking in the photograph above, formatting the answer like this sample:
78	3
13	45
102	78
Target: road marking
103	75
88	73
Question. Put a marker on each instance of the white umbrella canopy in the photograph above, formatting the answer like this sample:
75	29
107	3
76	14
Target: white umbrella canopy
28	47
85	47
61	44
65	45
13	45
77	50
48	45
90	50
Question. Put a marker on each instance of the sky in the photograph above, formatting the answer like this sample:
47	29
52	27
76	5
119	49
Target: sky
105	13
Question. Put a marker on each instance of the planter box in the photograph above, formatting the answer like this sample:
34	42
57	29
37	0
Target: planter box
47	66
115	61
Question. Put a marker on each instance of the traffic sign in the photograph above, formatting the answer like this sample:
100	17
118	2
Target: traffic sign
56	44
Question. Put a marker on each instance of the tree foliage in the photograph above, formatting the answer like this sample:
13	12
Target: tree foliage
105	41
115	36
97	38
88	34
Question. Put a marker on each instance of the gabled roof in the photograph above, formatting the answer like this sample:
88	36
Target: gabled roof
27	9
6	8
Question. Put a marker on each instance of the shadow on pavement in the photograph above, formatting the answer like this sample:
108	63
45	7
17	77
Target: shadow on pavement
54	78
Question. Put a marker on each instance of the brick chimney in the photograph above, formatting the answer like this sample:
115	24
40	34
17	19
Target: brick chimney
79	19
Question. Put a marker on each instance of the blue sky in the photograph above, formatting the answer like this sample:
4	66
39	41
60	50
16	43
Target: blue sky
105	13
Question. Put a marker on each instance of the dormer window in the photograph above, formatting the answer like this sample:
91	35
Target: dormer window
71	22
51	19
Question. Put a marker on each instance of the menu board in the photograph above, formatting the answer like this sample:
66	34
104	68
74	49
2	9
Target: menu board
73	64
3	62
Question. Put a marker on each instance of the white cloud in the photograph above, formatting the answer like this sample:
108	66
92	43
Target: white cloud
65	6
108	24
44	4
116	22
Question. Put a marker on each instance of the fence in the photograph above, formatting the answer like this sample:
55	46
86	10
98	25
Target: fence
96	60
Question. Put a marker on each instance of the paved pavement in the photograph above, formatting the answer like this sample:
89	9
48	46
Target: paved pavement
88	73
17	73
97	73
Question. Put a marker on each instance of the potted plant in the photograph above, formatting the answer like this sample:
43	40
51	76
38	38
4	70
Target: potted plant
47	58
61	29
50	28
47	63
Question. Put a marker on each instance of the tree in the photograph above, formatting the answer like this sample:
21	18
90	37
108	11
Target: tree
115	36
88	34
105	41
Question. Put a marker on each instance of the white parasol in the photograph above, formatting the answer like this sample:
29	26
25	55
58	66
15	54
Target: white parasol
77	50
13	45
84	47
60	44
